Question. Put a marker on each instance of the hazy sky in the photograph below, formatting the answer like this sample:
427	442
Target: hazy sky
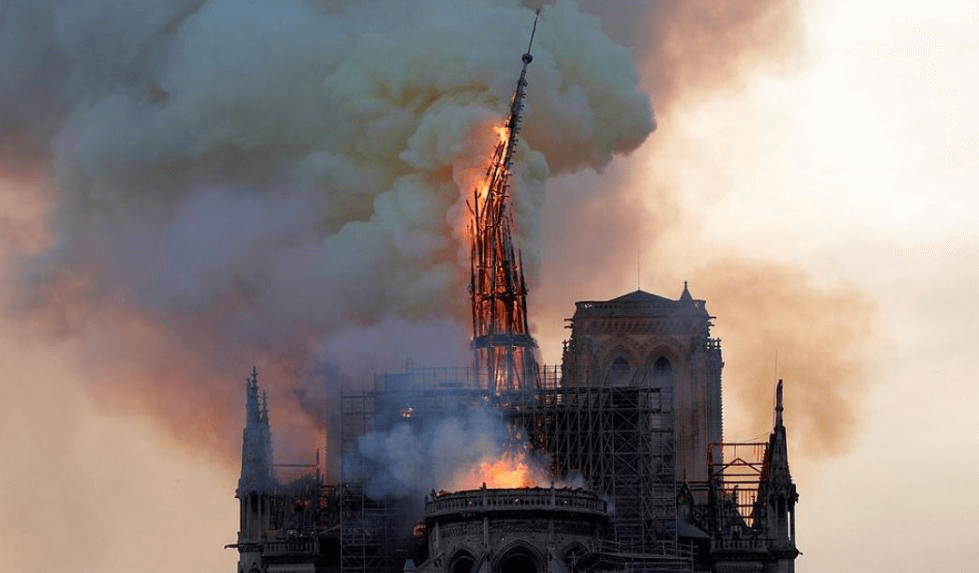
827	178
860	167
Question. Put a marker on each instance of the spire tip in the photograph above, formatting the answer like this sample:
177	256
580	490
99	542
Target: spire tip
778	404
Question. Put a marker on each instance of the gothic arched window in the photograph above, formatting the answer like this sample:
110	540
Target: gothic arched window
518	561
463	562
662	373
618	372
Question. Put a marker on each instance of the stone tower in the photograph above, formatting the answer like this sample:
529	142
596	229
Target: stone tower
777	496
256	484
645	340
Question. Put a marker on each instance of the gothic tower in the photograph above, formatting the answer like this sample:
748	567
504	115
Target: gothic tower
645	340
777	495
256	484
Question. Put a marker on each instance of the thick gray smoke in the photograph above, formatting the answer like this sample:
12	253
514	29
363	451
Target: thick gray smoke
412	457
263	180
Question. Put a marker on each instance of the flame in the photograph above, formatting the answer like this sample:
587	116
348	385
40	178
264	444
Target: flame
501	132
482	190
505	473
474	177
509	470
483	185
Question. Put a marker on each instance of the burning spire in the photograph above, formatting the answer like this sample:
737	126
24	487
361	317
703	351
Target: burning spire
503	350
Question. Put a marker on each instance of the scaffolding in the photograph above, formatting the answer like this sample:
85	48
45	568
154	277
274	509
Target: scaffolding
736	470
620	441
369	540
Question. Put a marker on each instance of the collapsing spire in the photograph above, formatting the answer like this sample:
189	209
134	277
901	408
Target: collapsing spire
503	350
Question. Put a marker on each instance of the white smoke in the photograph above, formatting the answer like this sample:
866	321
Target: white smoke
276	173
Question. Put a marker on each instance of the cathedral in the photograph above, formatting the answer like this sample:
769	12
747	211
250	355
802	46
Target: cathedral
630	425
634	410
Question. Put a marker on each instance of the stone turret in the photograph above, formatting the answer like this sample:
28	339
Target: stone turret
257	481
778	493
256	447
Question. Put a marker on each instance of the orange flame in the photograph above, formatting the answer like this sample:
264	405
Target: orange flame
510	470
474	180
501	132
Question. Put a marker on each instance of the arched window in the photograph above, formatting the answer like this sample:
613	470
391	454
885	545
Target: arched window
662	373
462	562
618	372
518	560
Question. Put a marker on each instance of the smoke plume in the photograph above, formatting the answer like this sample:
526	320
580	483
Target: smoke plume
192	186
696	49
778	324
457	451
642	223
231	182
822	332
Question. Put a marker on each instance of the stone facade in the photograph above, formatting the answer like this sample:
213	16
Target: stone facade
523	530
645	340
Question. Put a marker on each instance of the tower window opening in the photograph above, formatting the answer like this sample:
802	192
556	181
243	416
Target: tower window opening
662	373
619	372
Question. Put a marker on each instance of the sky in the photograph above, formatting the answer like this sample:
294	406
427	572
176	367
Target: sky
812	175
858	166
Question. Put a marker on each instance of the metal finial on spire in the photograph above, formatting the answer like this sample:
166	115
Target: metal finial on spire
516	104
527	57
